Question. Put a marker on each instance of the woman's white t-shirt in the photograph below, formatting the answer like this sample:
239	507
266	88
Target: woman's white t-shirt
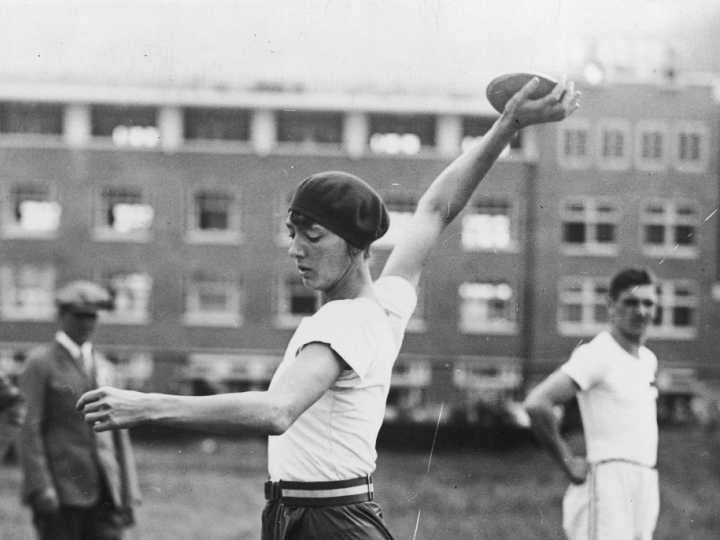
335	438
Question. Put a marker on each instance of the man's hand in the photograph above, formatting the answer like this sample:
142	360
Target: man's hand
46	502
560	103
110	408
576	469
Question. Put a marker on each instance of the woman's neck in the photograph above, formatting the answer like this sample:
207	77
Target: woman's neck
356	282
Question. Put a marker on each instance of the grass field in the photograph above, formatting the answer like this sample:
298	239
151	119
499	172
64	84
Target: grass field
190	494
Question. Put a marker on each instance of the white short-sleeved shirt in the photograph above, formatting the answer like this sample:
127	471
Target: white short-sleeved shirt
335	438
617	399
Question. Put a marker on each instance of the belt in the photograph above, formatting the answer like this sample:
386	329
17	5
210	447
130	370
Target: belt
621	460
320	493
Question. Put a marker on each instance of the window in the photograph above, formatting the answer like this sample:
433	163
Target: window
133	368
31	118
215	216
582	305
28	292
589	227
677	313
282	203
487	307
207	373
30	211
574	143
691	150
614	144
650	145
131	292
408	396
417	323
213	300
309	130
133	127
489	226
123	215
397	134
205	124
670	228
475	127
400	209
295	301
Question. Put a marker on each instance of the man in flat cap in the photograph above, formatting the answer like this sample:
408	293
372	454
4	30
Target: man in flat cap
80	485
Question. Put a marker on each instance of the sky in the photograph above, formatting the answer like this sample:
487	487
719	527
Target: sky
438	46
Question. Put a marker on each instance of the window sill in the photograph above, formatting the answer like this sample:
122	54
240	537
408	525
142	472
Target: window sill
13	233
109	235
226	238
589	251
220	320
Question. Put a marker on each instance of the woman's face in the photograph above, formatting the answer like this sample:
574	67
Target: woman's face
321	256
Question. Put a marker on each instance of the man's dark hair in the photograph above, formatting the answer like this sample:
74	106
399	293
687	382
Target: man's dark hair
628	278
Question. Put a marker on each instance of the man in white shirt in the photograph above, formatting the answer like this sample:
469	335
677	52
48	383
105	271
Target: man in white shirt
80	485
614	489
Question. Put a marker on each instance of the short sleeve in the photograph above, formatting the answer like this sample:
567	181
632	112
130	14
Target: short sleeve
397	296
339	325
585	368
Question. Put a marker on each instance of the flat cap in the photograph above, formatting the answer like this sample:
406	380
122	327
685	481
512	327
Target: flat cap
345	204
84	296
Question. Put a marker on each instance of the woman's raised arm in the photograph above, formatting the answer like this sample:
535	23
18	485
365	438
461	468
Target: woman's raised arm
452	189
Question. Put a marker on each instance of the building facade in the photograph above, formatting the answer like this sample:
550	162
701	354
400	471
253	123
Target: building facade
176	200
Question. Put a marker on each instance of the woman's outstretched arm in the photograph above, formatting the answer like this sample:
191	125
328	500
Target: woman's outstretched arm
452	189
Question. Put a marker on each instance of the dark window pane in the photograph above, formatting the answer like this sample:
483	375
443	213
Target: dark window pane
310	127
574	233
685	235
31	118
573	313
217	124
605	233
655	234
423	126
682	316
105	118
213	211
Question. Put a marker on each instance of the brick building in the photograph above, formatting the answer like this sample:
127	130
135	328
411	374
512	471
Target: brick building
175	199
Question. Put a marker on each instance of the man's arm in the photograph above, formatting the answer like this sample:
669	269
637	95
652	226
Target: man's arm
311	374
452	189
556	390
39	489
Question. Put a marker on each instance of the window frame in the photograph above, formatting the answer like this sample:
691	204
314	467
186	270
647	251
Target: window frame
691	127
126	318
588	302
400	207
499	326
670	219
8	285
10	228
284	317
425	150
590	247
574	161
232	285
652	127
103	232
109	140
668	296
233	235
607	127
512	215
